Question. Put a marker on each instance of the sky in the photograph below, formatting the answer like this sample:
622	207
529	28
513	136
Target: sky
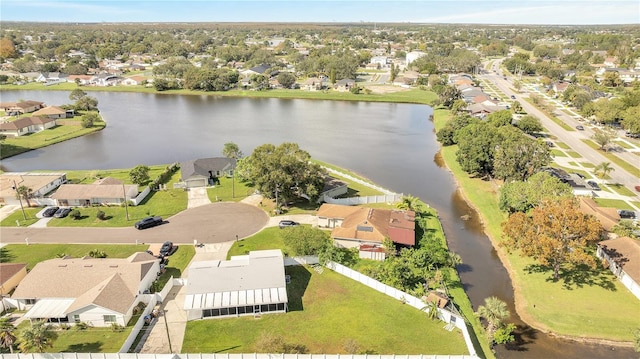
525	12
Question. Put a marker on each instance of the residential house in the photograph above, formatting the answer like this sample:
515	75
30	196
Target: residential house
333	188
313	84
10	276
39	185
21	107
623	256
611	61
608	217
105	79
53	112
206	171
134	80
25	125
106	191
252	284
481	110
413	56
560	87
96	291
80	79
345	85
381	61
256	70
469	93
52	78
357	226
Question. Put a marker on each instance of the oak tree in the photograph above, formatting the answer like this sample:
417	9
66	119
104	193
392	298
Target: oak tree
556	234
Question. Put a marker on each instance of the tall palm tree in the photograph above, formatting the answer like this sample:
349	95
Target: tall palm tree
25	193
494	311
7	334
603	169
36	337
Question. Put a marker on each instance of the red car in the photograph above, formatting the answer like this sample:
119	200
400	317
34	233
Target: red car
637	188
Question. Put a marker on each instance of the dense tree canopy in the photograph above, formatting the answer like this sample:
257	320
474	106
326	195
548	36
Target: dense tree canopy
556	234
522	196
285	169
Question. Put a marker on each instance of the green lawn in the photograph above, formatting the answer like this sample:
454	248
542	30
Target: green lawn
268	238
90	340
558	153
35	253
623	144
574	154
178	262
613	203
229	190
325	311
622	190
587	164
584	293
634	170
563	145
12	146
11	219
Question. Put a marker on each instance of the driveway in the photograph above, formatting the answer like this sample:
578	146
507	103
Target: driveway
197	197
172	308
211	223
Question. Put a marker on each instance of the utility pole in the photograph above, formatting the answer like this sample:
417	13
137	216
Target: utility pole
126	205
233	180
277	210
15	187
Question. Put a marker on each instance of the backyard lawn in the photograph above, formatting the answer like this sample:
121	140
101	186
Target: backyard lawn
325	311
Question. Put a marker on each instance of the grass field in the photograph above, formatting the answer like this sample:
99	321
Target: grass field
613	203
268	238
582	291
91	340
326	311
634	170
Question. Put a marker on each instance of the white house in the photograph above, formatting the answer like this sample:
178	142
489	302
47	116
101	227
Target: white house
95	291
38	183
623	256
252	284
413	56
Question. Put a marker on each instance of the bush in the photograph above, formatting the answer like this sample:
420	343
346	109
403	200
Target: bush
81	326
75	214
101	215
117	327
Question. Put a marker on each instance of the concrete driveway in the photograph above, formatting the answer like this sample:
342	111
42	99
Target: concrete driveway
172	308
197	197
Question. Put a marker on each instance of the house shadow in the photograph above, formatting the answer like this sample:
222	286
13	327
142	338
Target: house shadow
297	286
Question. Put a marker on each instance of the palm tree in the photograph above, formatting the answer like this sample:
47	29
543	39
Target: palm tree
494	311
36	337
7	334
603	169
25	193
431	308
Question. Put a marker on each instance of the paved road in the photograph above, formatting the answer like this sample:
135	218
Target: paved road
571	138
211	223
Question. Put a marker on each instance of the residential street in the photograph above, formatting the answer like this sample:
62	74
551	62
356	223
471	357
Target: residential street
572	138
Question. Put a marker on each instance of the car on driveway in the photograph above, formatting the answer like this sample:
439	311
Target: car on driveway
287	223
580	128
513	97
148	222
625	213
166	249
50	211
62	212
593	185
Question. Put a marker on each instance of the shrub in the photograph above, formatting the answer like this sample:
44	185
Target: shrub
117	327
75	214
101	215
81	326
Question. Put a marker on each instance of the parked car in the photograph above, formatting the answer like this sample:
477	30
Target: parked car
593	185
580	128
166	249
625	213
287	223
637	188
513	97
62	212
148	222
50	211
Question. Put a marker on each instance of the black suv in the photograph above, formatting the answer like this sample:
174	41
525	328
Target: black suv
166	249
148	222
625	213
287	223
50	211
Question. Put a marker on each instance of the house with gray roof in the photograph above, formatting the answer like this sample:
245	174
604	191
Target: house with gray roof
205	172
95	291
251	284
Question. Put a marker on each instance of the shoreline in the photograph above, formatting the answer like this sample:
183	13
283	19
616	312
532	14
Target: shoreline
520	302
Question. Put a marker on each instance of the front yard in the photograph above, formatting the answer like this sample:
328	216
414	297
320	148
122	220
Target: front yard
327	311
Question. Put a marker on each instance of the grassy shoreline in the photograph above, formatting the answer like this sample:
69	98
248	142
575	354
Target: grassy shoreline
551	299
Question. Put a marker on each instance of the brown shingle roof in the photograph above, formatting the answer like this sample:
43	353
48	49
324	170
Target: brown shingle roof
608	217
24	122
111	283
8	270
49	110
625	252
90	191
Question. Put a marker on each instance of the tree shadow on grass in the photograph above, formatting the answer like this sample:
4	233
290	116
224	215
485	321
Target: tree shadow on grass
300	277
5	255
93	347
577	276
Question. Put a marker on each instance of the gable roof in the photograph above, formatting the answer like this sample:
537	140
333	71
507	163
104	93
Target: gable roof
625	252
49	110
35	181
111	283
260	69
371	224
202	166
8	270
89	191
608	217
25	122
